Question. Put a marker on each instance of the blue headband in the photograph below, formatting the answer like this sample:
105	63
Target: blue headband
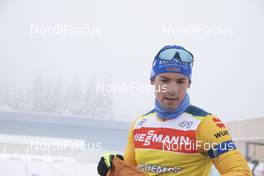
175	64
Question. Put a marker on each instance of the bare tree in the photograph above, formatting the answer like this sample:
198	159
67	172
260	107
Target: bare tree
52	97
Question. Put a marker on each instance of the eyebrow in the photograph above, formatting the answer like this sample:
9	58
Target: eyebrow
164	77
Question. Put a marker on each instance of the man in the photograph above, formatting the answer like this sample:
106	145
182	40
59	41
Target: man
177	138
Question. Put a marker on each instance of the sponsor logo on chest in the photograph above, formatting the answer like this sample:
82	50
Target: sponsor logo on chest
167	139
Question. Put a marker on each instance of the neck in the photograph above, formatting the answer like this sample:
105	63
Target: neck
165	114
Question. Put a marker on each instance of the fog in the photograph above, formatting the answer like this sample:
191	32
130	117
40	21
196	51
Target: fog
91	42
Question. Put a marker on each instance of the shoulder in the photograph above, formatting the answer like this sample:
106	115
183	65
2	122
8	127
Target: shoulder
207	119
214	122
149	113
212	129
143	118
196	111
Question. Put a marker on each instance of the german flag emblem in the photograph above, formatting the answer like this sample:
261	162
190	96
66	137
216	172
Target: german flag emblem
218	122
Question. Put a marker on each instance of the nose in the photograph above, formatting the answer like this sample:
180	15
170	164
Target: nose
172	88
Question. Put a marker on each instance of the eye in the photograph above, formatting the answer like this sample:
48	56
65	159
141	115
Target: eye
181	81
163	81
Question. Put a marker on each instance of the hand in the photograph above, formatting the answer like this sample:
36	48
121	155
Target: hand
105	163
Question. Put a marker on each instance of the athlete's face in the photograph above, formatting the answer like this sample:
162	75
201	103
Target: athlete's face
170	89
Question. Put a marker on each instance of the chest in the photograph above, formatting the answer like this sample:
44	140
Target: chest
176	135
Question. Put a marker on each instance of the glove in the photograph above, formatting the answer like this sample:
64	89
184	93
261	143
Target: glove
105	163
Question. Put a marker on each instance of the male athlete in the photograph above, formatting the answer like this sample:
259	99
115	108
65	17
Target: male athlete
177	138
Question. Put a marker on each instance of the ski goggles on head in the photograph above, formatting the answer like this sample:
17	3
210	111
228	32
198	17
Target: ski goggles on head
181	54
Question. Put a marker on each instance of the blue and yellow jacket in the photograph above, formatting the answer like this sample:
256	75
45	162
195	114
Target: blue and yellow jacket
187	145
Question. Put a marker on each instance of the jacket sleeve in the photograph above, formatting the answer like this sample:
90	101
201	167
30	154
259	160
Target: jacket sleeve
129	154
222	151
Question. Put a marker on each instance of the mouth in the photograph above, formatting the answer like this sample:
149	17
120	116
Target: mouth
171	99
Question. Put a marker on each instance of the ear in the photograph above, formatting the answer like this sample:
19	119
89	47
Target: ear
152	82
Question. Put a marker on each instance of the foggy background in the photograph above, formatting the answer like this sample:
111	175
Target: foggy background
54	72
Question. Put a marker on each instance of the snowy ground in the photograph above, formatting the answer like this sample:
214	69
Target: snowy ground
18	168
